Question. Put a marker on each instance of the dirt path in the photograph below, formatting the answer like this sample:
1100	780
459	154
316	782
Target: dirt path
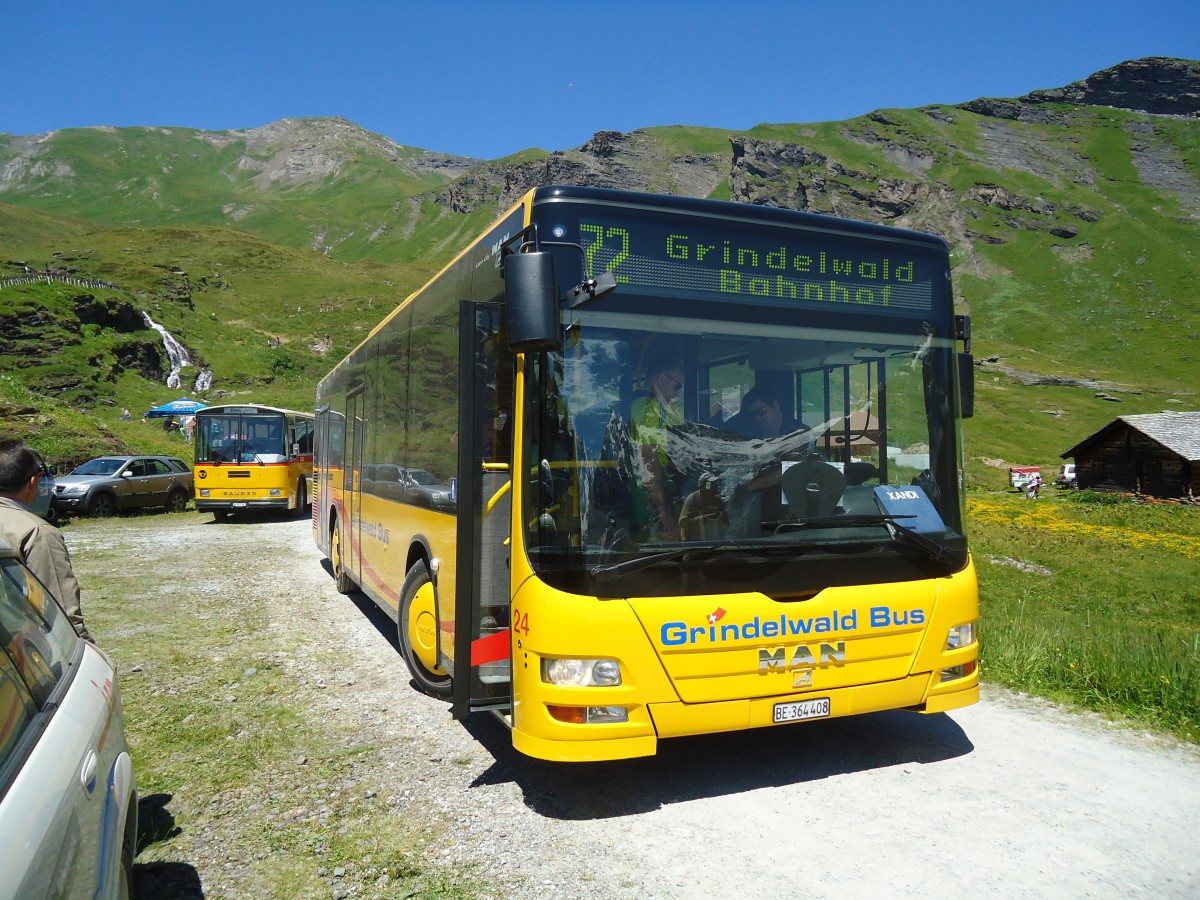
1009	798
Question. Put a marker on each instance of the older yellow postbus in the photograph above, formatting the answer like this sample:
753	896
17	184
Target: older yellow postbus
251	457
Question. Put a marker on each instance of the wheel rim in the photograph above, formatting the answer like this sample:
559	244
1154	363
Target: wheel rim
335	552
102	506
422	629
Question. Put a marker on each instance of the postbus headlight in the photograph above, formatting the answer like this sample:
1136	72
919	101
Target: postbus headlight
581	672
276	492
961	636
589	715
203	492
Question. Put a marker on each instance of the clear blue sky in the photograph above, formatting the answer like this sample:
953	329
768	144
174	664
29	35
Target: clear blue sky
489	79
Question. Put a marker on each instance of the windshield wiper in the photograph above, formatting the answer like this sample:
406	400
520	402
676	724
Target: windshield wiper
898	532
698	552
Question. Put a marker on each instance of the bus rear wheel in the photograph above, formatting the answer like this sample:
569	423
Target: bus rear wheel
342	580
418	630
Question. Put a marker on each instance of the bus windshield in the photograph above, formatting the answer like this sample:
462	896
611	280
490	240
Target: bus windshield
241	437
703	452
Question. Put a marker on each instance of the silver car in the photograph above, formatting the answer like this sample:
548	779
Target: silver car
68	798
106	484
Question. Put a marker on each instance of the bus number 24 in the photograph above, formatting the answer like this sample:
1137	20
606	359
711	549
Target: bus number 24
520	621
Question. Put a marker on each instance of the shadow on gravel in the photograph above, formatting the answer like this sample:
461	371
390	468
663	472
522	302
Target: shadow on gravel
165	880
254	517
714	765
705	766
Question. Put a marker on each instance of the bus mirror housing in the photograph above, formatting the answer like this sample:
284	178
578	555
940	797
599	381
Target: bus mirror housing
531	302
966	384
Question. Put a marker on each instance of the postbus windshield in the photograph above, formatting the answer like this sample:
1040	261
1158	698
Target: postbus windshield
235	435
707	427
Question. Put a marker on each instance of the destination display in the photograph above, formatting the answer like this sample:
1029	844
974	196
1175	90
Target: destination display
780	267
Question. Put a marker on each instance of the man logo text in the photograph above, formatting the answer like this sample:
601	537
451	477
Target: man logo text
777	660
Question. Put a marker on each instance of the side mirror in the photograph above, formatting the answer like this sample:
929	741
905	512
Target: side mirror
966	384
531	302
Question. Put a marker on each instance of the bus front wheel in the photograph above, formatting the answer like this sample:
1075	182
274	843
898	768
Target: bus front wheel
418	630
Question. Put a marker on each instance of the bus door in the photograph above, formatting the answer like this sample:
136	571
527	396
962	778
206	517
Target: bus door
351	482
321	495
482	672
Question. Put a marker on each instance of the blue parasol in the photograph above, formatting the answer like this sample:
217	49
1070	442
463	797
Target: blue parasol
181	407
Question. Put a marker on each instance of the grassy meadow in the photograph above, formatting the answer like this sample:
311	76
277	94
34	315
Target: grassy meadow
1092	600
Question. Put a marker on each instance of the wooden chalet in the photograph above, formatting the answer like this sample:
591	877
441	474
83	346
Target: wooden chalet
1156	454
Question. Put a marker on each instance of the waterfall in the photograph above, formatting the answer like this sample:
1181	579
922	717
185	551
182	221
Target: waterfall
176	352
203	381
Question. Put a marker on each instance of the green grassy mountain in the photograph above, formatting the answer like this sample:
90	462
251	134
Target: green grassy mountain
1073	214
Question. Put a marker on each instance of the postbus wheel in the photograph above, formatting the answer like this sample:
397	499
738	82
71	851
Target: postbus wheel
342	580
418	628
302	508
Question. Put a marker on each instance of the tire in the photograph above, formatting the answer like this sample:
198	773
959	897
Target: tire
302	508
342	580
102	506
418	628
220	515
52	513
128	852
177	501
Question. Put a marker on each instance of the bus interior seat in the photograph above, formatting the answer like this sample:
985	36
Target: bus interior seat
813	488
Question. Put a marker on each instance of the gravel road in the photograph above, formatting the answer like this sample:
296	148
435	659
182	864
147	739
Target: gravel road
1012	797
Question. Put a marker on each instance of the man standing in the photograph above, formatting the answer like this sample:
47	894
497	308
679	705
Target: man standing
40	544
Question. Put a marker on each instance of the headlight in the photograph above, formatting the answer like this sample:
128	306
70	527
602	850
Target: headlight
203	492
275	492
581	672
961	636
75	489
588	715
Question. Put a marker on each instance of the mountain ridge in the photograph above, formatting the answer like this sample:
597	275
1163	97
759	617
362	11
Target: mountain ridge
267	251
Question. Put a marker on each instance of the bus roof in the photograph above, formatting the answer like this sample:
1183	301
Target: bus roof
253	408
728	209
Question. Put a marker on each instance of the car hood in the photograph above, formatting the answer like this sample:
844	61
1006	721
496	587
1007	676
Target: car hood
66	480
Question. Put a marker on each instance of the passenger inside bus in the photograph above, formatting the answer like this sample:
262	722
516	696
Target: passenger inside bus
651	417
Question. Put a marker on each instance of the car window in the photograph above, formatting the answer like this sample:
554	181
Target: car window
103	466
138	468
156	467
17	710
35	633
177	464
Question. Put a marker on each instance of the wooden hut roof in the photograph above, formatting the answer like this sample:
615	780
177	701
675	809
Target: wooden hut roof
1179	432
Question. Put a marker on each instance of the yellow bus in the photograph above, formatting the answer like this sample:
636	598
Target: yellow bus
251	457
686	466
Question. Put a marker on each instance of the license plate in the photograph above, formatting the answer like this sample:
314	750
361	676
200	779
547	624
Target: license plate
239	503
817	708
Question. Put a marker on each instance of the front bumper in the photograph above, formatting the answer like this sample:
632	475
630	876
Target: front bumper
235	505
